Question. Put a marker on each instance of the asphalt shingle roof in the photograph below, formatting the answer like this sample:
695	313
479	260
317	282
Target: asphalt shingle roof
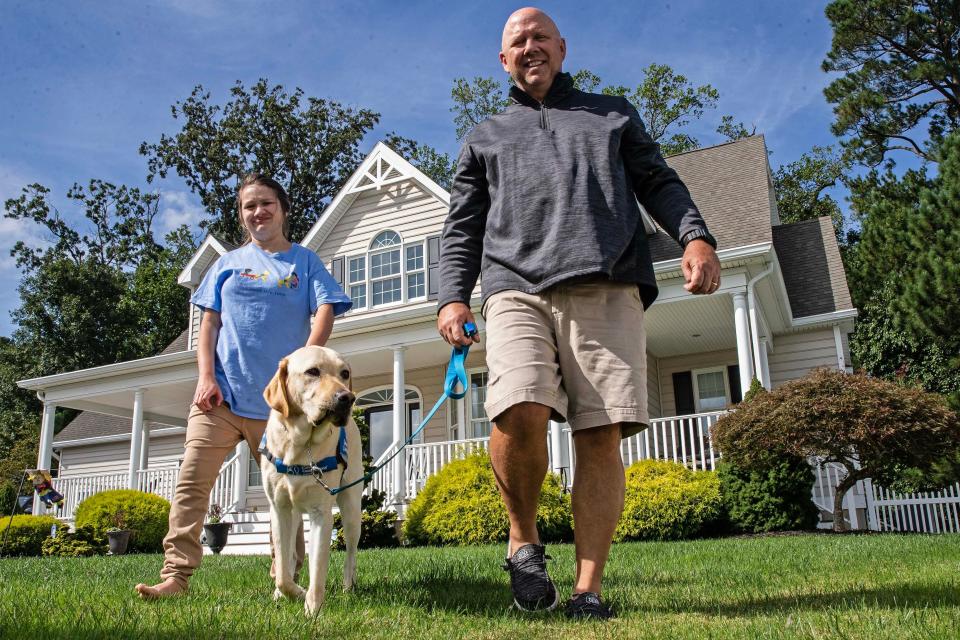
812	269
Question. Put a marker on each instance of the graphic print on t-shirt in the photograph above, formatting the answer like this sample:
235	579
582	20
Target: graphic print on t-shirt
292	281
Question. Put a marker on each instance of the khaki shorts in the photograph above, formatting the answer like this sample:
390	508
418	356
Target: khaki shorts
579	349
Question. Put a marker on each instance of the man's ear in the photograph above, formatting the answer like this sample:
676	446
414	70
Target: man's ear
276	392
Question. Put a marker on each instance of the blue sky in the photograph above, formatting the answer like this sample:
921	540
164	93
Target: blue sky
83	84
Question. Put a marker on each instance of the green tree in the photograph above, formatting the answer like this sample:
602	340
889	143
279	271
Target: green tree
800	187
667	103
928	304
438	166
308	144
900	82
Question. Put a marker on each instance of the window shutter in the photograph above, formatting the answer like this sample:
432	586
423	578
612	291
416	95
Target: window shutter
683	393
433	267
733	378
336	270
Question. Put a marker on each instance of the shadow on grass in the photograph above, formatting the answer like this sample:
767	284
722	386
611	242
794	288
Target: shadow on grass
899	596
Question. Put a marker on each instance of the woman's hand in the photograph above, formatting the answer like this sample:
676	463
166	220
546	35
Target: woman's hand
208	395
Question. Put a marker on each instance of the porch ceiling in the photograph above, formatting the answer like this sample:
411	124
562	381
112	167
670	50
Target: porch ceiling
695	324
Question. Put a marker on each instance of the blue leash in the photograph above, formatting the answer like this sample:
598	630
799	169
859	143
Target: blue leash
456	375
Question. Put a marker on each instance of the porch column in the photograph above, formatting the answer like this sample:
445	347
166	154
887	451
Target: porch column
556	447
45	451
764	366
136	437
145	448
240	475
399	424
741	323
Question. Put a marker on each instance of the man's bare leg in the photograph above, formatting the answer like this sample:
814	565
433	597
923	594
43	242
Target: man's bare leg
598	487
167	588
518	453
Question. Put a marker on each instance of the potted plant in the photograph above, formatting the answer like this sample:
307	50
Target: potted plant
118	535
215	530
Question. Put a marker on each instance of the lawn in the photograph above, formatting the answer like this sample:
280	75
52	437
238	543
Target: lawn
805	586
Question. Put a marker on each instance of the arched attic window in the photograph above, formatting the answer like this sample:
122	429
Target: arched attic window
390	272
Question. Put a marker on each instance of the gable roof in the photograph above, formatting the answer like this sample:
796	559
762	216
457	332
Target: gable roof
179	343
730	184
812	268
382	167
209	250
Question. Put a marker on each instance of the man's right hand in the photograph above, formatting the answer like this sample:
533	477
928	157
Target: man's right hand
450	324
208	394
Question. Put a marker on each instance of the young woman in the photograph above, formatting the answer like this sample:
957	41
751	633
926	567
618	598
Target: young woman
257	301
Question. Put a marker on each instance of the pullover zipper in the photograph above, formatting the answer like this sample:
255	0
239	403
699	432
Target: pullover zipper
544	120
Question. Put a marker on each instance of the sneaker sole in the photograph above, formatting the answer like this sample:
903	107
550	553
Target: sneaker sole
556	601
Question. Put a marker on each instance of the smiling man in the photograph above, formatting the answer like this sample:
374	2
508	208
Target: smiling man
544	205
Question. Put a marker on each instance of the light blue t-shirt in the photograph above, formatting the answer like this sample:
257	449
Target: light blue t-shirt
265	301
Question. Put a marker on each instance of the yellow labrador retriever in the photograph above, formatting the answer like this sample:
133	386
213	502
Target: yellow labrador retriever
311	436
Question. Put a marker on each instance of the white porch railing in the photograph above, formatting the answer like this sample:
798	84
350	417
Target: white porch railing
424	460
161	481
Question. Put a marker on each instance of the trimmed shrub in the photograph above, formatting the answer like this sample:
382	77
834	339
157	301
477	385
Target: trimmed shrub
461	505
378	528
145	513
775	498
26	534
894	431
667	501
75	544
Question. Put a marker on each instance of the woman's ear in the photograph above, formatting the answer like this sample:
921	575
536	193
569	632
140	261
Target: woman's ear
276	392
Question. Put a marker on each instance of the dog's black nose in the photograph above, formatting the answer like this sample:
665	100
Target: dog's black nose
344	398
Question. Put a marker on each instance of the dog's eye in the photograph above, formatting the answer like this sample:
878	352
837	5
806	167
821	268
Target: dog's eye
345	374
313	372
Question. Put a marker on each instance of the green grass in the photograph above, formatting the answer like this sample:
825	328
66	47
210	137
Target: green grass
809	586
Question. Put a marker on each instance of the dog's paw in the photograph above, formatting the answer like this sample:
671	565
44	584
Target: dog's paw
292	592
312	605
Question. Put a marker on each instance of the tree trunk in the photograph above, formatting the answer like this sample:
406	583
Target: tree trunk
852	478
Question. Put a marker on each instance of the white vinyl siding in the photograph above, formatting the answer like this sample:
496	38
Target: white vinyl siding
114	457
796	354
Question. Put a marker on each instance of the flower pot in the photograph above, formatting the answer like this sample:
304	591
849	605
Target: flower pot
215	535
118	541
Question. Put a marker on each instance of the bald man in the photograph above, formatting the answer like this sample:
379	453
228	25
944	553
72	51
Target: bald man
544	206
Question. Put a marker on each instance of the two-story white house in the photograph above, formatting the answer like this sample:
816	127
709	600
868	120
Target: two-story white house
783	309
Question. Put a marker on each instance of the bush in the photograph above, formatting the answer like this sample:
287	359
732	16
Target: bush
145	513
873	428
378	528
776	498
80	543
461	505
26	534
667	501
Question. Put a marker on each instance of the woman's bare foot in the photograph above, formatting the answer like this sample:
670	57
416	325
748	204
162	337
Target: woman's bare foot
165	589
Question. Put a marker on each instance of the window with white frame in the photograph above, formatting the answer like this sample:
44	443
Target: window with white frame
710	391
389	273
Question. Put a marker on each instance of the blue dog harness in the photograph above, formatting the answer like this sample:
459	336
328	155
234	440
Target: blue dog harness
325	464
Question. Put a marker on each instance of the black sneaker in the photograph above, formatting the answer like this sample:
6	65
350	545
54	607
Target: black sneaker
532	588
588	606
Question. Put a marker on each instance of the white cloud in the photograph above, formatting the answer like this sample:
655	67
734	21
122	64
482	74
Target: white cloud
177	208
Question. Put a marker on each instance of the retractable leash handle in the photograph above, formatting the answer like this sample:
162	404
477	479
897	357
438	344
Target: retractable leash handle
456	376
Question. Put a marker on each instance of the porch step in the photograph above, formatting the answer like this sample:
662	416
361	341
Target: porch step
250	535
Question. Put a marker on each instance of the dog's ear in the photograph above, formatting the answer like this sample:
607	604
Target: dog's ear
276	392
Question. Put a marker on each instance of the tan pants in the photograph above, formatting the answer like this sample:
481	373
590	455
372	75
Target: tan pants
211	435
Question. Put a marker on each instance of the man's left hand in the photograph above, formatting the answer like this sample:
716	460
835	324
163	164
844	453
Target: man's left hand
701	268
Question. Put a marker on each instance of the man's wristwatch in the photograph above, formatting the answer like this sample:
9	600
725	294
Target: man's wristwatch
698	234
